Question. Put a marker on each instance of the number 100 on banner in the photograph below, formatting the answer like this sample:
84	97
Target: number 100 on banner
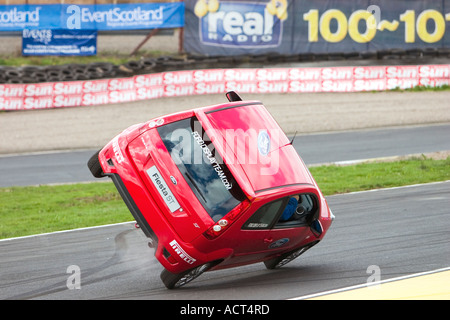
333	25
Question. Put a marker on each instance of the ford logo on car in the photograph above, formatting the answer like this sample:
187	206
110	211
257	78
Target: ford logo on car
263	143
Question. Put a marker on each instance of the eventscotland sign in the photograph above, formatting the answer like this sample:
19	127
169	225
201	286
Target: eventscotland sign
44	42
92	17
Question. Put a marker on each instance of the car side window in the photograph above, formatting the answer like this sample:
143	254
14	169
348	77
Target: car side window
293	211
263	218
300	210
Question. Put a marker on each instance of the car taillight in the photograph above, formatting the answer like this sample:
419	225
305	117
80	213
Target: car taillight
220	226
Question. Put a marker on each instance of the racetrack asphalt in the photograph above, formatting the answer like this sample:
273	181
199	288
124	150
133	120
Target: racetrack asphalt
337	147
94	126
401	231
329	126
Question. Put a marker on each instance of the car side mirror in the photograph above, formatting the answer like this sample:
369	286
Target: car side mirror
316	228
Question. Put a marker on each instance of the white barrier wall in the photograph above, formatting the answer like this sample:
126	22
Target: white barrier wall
197	82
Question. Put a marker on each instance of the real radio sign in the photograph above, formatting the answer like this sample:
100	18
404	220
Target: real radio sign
288	27
239	24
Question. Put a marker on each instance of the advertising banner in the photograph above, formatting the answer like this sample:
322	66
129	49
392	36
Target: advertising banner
219	81
230	27
41	42
92	17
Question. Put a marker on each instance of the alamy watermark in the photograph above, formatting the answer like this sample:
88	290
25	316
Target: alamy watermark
374	21
74	280
259	147
373	281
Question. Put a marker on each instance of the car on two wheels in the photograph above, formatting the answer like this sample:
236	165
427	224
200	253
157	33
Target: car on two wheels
216	187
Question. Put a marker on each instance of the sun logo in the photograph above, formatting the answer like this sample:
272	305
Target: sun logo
278	8
202	7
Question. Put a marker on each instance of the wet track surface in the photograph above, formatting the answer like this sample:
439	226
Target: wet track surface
402	231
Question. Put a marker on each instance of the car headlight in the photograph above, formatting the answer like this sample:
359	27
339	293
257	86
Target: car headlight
331	215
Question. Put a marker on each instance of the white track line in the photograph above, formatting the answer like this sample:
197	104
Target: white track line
66	231
390	188
365	285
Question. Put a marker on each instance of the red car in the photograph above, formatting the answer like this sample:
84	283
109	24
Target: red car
216	187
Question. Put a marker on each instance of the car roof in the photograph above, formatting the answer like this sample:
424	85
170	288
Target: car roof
254	146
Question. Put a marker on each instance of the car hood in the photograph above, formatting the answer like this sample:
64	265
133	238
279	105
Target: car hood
253	145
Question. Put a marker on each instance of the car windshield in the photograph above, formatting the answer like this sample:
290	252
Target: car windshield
203	167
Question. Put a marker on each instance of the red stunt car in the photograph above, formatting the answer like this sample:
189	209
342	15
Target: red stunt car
216	187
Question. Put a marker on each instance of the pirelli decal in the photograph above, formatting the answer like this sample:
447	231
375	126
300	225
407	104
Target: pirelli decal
183	255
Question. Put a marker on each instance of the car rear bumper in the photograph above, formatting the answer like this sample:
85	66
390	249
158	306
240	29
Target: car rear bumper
175	254
134	209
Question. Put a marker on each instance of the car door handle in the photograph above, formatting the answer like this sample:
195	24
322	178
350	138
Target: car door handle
268	240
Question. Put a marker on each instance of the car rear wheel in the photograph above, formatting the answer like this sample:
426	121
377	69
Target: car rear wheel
285	258
95	167
177	280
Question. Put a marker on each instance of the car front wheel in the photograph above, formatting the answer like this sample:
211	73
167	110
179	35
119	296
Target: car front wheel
94	166
285	258
177	280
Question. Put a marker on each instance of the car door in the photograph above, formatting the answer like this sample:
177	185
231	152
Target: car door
264	233
255	235
290	233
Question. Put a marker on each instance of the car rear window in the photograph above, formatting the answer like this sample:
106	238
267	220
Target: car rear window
203	167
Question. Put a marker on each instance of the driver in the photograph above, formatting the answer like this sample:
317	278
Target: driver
290	208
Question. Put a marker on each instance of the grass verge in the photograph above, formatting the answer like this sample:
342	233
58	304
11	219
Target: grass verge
41	209
367	176
421	88
33	210
110	57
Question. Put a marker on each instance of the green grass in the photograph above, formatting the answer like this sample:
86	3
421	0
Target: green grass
33	210
111	57
444	87
366	176
19	61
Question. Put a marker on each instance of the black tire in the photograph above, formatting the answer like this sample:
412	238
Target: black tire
28	79
134	65
92	72
95	167
14	80
53	72
148	63
13	75
368	55
82	76
177	280
103	69
77	69
430	52
285	258
40	76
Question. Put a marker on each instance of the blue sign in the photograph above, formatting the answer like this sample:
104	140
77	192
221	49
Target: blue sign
92	17
40	42
17	18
